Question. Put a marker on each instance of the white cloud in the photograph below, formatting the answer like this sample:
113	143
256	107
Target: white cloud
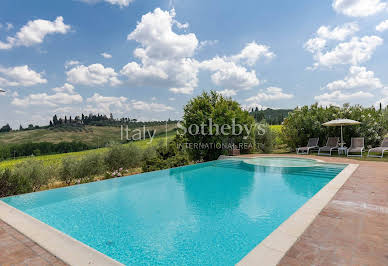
46	99
355	51
34	33
338	97
227	93
106	104
20	76
382	26
270	94
252	52
206	43
326	33
154	107
65	88
71	63
120	3
106	55
154	32
339	33
358	78
165	56
358	8
95	74
229	75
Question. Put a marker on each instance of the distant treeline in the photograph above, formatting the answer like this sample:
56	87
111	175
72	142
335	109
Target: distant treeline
102	120
8	151
271	116
91	120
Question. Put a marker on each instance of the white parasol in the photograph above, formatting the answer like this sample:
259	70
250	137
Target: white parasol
341	123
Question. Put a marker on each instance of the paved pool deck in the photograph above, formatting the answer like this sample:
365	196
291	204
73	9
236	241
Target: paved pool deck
17	249
351	230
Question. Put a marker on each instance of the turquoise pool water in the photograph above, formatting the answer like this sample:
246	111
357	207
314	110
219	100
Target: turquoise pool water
206	214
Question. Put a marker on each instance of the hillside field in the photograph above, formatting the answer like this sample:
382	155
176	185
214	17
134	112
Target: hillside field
91	135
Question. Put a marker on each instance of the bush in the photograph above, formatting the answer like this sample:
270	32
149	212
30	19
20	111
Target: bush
264	138
11	184
123	156
89	166
306	122
33	172
68	169
166	157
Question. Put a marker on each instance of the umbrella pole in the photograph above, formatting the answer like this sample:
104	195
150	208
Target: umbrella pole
342	139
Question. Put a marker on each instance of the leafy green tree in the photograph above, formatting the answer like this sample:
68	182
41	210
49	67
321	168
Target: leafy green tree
5	128
220	111
306	122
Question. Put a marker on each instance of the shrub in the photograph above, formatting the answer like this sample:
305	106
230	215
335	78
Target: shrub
264	138
123	156
34	172
11	184
306	122
89	166
165	157
67	172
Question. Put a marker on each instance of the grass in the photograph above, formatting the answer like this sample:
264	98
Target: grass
56	159
91	135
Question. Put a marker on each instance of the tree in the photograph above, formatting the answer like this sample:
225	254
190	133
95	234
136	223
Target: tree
6	128
55	120
212	109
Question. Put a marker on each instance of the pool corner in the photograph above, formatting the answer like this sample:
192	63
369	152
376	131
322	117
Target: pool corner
274	247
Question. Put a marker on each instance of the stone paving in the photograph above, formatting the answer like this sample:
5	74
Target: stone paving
17	249
351	230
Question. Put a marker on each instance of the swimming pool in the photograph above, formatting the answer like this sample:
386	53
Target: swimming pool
209	214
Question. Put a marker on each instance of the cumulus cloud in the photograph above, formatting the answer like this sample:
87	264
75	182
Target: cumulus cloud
358	8
52	100
20	76
65	88
228	74
252	52
34	33
355	51
71	63
382	26
95	74
158	40
337	97
358	78
120	3
270	94
227	93
165	56
106	55
108	104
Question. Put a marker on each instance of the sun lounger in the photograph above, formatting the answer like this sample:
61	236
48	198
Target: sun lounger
331	145
311	145
357	147
379	150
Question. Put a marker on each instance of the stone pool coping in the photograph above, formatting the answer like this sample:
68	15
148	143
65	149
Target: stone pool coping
66	248
275	246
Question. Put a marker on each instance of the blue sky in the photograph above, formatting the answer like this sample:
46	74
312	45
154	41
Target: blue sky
146	59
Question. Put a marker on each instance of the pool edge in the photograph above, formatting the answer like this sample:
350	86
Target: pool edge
66	248
273	248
